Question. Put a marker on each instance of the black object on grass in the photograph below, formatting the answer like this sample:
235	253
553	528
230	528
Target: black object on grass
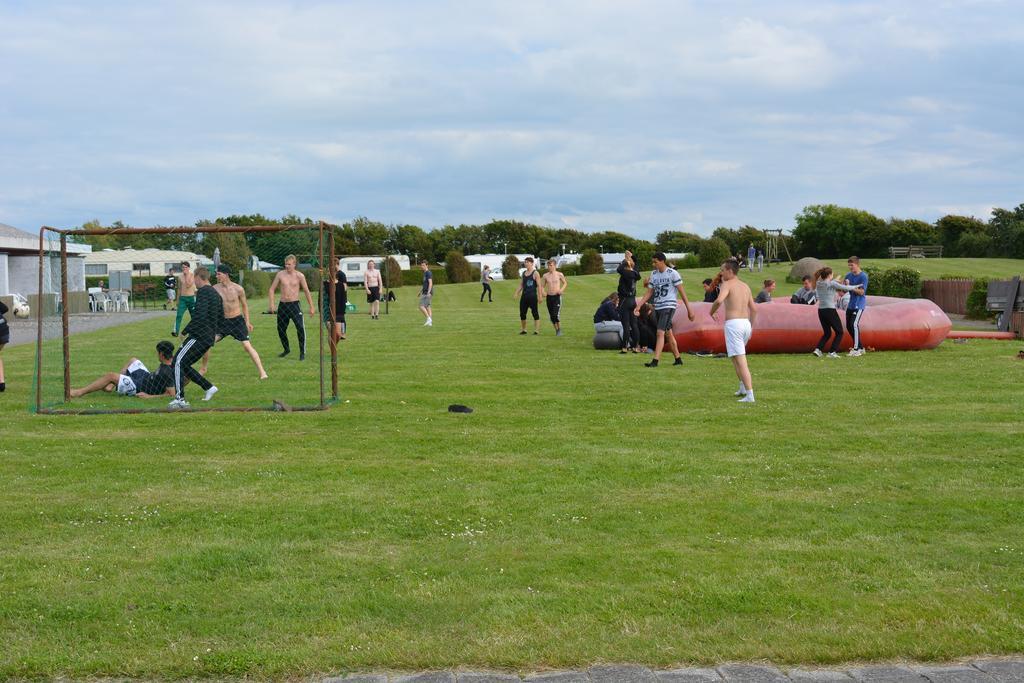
458	408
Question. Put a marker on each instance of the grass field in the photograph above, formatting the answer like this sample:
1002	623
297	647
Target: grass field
589	510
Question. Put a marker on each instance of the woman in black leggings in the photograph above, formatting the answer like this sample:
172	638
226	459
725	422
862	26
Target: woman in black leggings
826	289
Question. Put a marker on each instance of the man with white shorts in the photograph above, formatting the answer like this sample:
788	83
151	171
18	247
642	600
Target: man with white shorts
740	313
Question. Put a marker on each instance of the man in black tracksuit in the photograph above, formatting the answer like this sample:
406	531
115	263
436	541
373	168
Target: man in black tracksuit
207	318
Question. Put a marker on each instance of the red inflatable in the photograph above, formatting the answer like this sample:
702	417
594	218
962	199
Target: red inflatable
888	324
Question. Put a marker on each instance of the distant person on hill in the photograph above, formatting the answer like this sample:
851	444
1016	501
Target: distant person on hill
806	294
760	260
648	326
662	288
751	256
858	302
530	287
826	289
427	294
629	275
554	285
135	379
765	295
372	283
606	318
740	314
485	280
5	338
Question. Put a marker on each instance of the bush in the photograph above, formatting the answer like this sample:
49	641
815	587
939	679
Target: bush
713	252
457	267
591	262
393	273
974	244
258	280
510	267
900	282
688	261
570	269
976	300
414	277
313	279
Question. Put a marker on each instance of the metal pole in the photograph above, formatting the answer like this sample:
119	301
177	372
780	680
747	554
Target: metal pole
64	315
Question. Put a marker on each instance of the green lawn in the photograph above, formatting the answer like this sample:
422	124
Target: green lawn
589	510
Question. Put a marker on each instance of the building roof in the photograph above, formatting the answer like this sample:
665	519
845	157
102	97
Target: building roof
151	255
14	240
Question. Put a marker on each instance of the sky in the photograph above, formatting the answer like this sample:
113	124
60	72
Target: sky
635	115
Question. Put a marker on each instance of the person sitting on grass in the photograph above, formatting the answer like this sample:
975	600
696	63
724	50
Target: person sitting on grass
135	379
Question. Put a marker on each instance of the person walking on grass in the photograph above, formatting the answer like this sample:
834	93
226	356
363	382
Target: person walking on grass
826	288
662	287
170	283
751	257
202	334
5	338
628	277
760	260
291	282
740	314
554	286
858	302
530	287
427	294
371	283
186	296
236	318
135	379
485	280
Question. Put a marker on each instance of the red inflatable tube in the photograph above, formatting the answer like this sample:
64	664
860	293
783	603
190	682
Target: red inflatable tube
888	324
980	334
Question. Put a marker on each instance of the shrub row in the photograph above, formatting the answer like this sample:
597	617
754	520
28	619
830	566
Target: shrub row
900	281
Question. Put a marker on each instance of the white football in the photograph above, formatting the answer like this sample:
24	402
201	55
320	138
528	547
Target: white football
22	311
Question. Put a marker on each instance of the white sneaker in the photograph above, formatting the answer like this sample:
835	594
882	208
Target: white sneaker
747	398
818	353
429	323
209	393
856	352
833	354
178	404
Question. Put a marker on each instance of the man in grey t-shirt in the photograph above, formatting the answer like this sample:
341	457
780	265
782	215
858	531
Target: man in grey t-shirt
662	288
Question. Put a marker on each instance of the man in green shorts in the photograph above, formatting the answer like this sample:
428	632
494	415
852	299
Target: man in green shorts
186	296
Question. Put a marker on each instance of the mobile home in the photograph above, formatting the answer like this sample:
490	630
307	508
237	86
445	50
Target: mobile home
354	267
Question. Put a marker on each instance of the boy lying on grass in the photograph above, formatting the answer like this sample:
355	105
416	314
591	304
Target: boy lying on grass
135	379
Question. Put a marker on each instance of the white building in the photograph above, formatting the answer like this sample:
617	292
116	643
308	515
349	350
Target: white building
19	265
354	267
141	262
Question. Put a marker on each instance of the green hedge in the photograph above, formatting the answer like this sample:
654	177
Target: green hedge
977	299
900	281
414	276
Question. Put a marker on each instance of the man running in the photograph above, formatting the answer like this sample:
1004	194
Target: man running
170	284
207	318
186	296
236	317
662	286
529	286
740	313
372	282
427	294
135	379
554	286
858	302
291	281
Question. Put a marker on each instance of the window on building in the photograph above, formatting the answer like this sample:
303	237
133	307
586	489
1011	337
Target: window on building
140	269
352	266
95	268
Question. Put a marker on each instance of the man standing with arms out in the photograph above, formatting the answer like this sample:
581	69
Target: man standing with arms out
662	287
740	313
858	302
554	285
170	283
291	281
427	294
371	283
751	257
628	277
186	296
236	317
485	280
207	318
529	285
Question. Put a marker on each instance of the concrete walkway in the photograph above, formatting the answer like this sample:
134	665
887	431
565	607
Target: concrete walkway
24	331
980	671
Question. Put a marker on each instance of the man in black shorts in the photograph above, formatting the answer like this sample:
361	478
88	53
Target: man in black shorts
237	322
135	379
529	285
5	337
340	302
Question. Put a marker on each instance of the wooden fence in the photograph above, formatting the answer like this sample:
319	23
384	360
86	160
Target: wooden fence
950	295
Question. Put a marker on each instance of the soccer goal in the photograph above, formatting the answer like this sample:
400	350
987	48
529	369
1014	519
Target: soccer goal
210	318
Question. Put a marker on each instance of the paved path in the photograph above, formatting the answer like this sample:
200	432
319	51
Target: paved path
980	671
24	331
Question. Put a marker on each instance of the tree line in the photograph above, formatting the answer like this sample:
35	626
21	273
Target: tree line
822	230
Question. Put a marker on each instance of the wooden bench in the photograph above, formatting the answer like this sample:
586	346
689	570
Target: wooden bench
899	251
917	251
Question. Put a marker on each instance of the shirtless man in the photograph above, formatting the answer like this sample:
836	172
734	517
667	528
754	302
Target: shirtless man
186	296
291	281
554	286
740	313
371	283
236	318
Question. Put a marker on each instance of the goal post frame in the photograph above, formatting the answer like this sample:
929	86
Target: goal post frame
326	268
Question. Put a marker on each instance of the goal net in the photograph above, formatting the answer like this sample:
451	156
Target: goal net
223	318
